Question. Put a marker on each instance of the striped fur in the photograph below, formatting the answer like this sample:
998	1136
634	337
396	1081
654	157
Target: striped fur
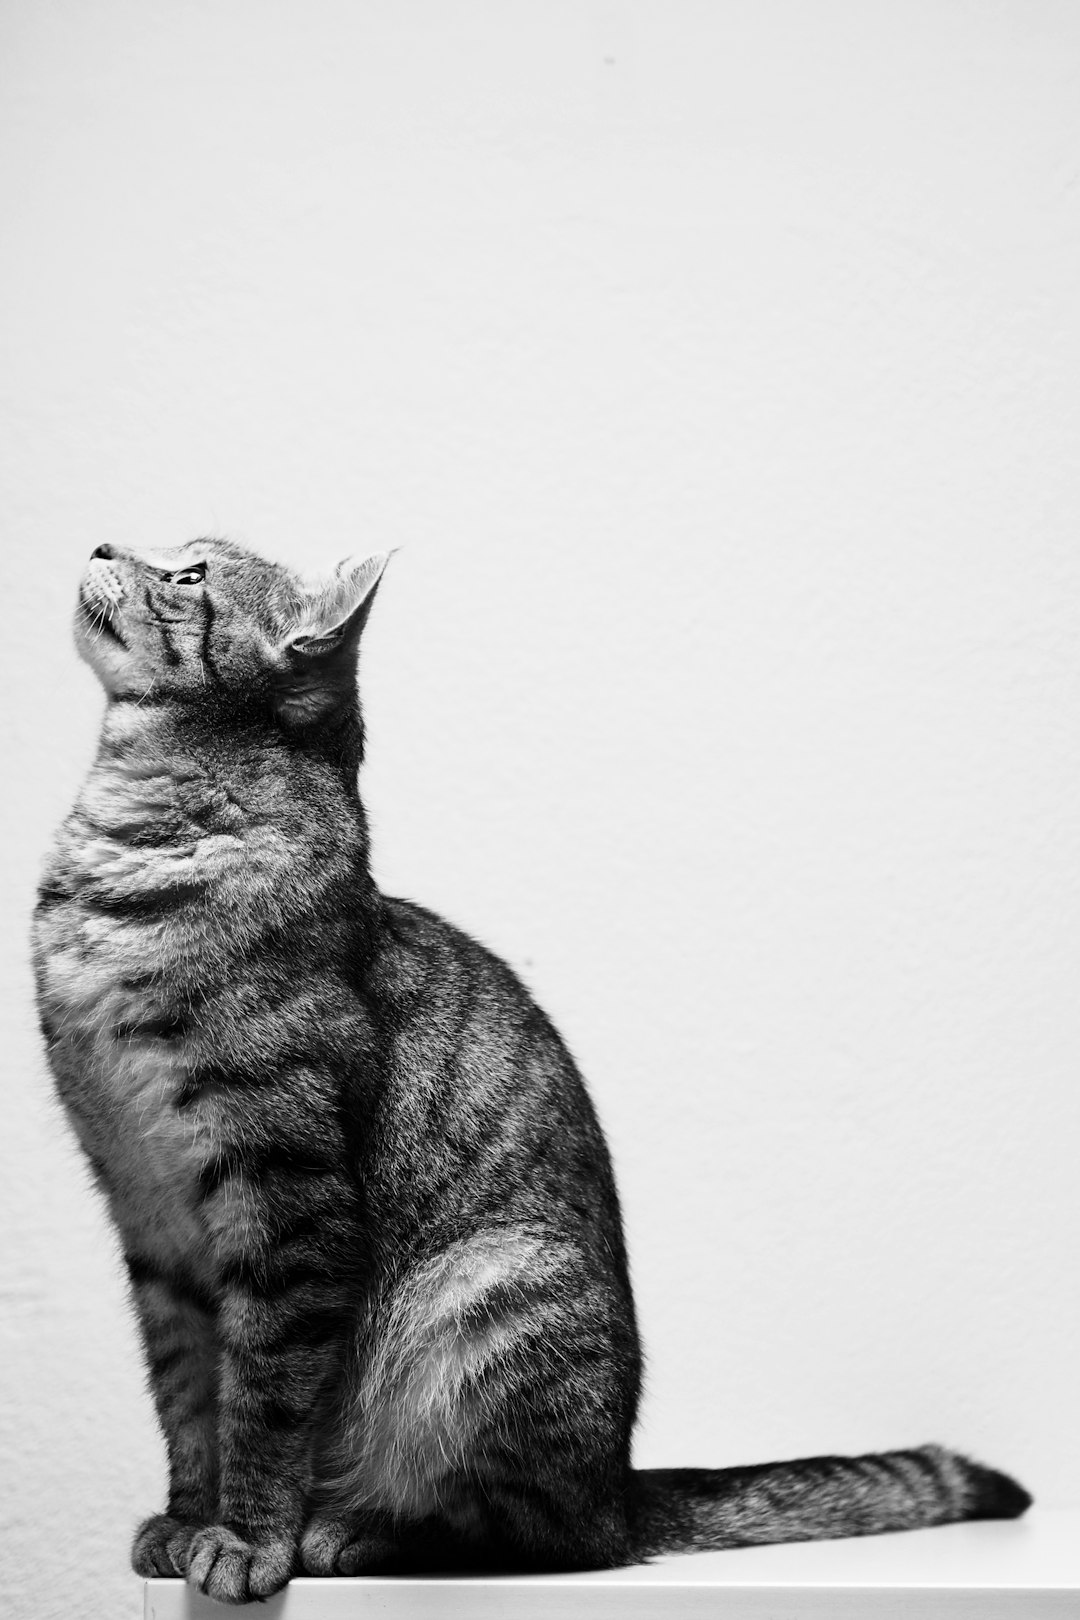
368	1214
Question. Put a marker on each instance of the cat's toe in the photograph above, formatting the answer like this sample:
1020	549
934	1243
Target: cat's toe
322	1540
364	1555
231	1570
160	1546
334	1547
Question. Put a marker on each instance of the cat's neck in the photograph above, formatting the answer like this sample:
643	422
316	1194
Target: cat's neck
248	738
189	848
170	772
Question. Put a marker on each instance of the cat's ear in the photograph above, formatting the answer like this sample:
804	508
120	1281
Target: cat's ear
317	673
334	610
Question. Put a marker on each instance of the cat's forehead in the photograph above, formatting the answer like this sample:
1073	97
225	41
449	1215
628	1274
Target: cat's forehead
268	591
226	561
208	549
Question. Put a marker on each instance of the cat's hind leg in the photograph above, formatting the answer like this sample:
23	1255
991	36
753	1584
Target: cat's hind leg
488	1412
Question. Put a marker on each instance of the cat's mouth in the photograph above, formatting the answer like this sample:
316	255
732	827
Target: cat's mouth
99	617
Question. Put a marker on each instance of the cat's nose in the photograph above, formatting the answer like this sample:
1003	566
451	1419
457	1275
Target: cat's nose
102	551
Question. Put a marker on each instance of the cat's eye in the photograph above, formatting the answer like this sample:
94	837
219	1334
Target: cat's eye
189	576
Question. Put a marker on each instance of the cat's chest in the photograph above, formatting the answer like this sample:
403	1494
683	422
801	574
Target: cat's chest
122	1074
119	968
154	1148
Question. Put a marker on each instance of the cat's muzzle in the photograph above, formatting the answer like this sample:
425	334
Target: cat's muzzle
101	594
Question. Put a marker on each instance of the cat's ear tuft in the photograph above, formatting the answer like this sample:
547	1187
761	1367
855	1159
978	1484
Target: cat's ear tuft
336	609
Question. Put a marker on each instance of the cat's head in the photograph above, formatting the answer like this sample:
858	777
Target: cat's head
211	623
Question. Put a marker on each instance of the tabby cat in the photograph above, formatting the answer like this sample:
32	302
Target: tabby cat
368	1215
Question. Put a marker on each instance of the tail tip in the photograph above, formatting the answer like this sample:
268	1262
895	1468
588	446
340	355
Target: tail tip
996	1496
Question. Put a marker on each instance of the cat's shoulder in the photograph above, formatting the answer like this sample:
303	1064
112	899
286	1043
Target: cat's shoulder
425	952
414	929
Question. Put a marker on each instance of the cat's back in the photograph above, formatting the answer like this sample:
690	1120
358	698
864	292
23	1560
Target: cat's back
482	1096
447	996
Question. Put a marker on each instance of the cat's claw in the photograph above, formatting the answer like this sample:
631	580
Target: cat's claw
160	1546
231	1570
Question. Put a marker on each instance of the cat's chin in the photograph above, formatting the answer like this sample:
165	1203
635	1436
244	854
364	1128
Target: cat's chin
99	643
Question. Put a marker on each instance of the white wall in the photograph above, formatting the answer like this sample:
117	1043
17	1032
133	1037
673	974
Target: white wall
716	366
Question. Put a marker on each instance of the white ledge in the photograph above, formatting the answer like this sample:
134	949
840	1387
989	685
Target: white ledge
1025	1570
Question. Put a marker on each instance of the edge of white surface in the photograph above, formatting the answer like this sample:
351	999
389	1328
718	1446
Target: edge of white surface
1028	1567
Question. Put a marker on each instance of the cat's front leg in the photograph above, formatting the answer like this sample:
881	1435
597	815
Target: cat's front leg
282	1323
181	1348
272	1376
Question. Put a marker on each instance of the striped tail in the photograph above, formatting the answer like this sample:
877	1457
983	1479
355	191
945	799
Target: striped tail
814	1499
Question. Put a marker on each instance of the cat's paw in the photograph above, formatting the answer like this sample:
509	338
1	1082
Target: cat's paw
160	1546
232	1570
333	1547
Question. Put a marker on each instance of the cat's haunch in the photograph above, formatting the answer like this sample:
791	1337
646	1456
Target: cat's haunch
367	1211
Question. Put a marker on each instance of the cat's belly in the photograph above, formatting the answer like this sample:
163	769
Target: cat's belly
121	1080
